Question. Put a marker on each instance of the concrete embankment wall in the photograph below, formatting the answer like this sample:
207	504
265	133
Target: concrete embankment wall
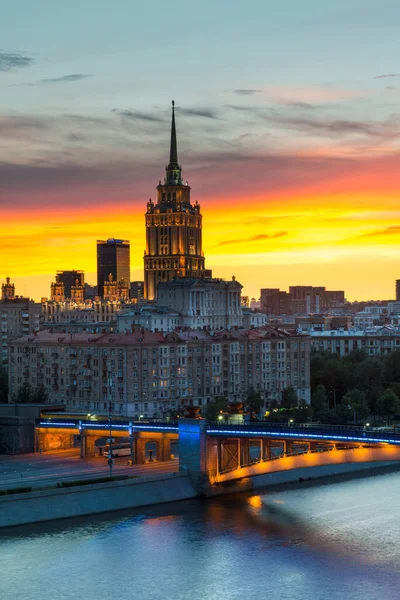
46	505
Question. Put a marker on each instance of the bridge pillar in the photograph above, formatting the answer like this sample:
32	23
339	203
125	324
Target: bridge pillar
140	451
163	449
193	450
87	445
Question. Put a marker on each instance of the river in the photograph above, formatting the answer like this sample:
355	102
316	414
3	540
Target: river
334	541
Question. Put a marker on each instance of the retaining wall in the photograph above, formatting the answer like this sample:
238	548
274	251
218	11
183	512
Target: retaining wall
46	505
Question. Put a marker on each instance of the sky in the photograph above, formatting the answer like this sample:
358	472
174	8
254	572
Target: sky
288	124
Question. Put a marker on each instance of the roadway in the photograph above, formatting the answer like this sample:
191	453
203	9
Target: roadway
50	468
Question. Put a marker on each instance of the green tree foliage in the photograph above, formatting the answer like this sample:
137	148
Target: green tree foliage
302	413
392	368
319	403
253	402
388	404
3	386
213	409
289	398
353	406
29	395
371	375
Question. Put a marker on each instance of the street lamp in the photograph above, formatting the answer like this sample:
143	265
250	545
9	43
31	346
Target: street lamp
290	422
354	412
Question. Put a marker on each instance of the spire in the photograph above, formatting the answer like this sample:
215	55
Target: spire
173	170
173	153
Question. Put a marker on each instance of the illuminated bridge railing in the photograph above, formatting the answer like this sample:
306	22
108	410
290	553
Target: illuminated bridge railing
320	432
104	425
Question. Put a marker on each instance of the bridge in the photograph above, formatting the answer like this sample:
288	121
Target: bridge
219	452
61	431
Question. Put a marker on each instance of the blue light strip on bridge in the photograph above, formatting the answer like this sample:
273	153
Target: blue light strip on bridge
107	426
49	424
301	435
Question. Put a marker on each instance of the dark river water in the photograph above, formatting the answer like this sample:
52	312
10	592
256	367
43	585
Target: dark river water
336	541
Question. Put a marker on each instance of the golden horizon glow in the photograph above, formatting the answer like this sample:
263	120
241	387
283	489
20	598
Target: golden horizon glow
341	241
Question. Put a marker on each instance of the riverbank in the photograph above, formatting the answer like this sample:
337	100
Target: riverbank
95	498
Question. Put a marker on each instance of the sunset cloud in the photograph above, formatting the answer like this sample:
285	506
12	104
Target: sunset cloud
255	238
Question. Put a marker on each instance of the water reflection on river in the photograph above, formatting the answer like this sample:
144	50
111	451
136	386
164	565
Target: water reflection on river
338	541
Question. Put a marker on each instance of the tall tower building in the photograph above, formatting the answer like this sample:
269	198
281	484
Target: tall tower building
7	290
173	229
113	258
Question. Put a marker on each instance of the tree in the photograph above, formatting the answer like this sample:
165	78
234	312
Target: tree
302	413
392	368
319	403
253	402
289	398
29	395
388	404
213	409
3	386
353	406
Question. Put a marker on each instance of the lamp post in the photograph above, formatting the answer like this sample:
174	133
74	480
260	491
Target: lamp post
110	453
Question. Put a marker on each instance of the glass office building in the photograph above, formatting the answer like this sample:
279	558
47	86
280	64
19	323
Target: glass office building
113	262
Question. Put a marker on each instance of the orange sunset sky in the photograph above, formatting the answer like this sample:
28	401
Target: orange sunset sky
289	140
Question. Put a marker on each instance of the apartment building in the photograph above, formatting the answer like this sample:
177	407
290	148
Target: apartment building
18	317
374	340
150	374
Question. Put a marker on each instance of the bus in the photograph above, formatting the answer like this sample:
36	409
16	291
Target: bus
117	450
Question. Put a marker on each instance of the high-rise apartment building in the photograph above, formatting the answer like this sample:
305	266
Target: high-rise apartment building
149	374
113	259
18	316
397	290
173	229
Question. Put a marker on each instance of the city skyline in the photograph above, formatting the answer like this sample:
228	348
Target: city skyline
291	147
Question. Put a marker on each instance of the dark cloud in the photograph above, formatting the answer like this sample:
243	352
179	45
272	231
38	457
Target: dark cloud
338	127
255	238
134	114
83	119
246	92
198	112
65	78
241	108
387	76
301	105
76	137
14	60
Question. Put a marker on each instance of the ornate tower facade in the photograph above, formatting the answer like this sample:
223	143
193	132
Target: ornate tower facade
173	229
